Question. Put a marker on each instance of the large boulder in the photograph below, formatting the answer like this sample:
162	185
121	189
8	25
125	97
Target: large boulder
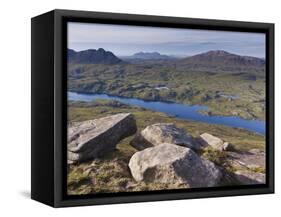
159	133
93	138
207	139
173	164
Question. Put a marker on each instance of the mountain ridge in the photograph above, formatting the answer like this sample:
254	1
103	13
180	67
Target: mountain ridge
150	55
92	56
220	61
213	60
221	57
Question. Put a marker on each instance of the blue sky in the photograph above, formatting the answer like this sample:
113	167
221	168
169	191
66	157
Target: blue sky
125	40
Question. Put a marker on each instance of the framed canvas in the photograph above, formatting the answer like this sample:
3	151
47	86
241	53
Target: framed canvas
134	108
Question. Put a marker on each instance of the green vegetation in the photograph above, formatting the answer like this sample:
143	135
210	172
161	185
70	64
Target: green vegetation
239	92
241	139
111	173
258	169
216	156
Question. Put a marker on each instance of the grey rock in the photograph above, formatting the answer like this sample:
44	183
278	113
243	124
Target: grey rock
246	164
246	160
256	151
94	138
207	139
159	133
173	164
249	177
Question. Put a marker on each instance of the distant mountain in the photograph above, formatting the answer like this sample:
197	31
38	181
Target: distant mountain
92	56
219	60
150	56
223	57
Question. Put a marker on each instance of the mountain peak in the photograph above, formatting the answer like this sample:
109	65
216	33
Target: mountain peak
92	56
101	50
217	52
222	59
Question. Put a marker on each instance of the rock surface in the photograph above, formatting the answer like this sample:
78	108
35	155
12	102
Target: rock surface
207	139
169	163
249	177
249	160
93	138
159	133
249	166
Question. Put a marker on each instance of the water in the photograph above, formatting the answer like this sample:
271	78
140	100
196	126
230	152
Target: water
182	111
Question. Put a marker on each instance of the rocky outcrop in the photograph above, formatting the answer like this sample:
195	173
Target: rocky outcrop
249	166
169	163
93	138
252	159
207	139
247	177
159	133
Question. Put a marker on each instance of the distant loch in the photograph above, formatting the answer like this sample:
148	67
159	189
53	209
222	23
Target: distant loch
182	111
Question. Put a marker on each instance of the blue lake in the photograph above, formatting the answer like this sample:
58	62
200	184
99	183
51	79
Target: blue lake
182	111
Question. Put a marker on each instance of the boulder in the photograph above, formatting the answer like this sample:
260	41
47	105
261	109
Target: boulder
207	139
94	138
247	177
159	133
173	164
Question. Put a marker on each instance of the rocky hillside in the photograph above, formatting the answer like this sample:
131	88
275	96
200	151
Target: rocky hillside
205	79
92	56
163	157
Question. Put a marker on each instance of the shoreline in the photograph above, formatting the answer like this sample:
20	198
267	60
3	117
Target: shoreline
213	119
169	102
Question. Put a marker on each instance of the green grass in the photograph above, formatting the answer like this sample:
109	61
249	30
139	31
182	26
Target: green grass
241	139
111	173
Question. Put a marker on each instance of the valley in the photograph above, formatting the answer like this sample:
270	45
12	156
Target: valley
154	108
229	84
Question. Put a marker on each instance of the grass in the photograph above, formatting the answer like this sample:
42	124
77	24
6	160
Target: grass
258	170
241	139
185	86
216	156
111	173
107	175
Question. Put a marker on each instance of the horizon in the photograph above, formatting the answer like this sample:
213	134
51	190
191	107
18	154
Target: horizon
124	40
176	56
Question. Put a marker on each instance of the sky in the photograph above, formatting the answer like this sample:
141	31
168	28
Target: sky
124	40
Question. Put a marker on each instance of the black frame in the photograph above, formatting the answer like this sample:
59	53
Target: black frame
49	105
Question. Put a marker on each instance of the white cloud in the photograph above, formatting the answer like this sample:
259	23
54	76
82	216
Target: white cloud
124	39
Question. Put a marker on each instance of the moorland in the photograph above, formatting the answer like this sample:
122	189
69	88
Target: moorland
229	84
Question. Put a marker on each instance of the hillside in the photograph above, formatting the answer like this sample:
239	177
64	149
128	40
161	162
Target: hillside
222	61
227	83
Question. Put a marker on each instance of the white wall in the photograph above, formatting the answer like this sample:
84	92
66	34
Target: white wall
15	106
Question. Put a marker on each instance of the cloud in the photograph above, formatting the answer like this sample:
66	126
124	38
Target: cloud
126	40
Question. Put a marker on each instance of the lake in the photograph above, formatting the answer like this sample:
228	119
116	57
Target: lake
182	111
